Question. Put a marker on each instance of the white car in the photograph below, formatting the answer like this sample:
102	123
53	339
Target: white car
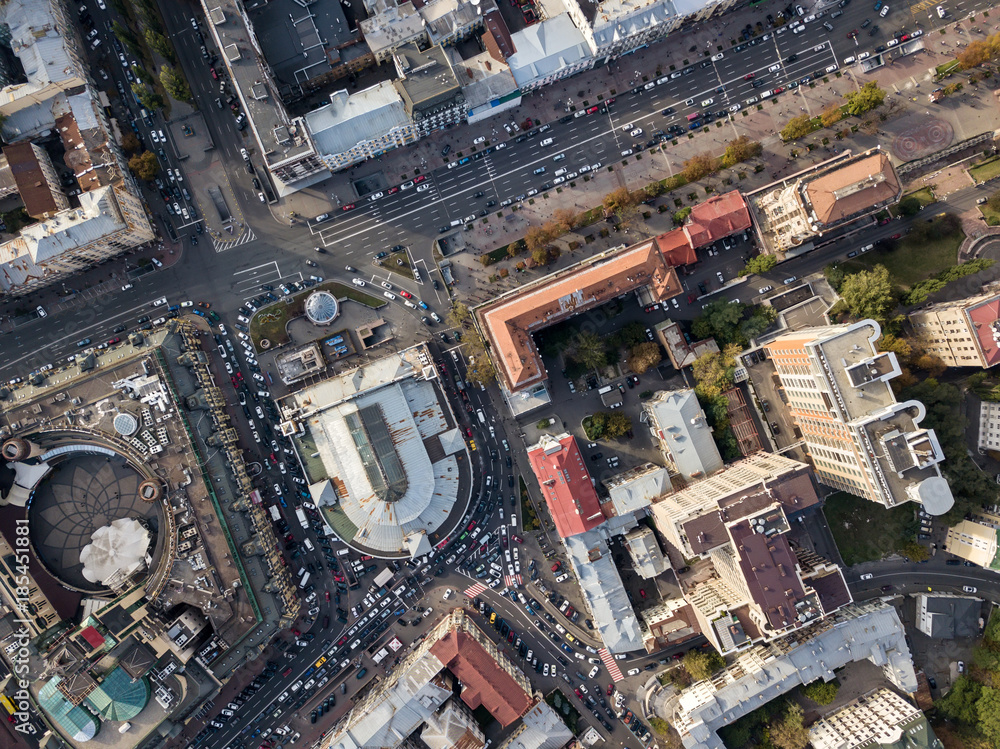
594	672
376	196
480	139
736	108
884	12
545	669
558	180
632	672
636	133
716	58
968	589
423	188
940	11
867	576
628	127
187	304
627	152
707	102
774	68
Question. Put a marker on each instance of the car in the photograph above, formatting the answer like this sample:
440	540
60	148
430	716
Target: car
940	11
764	289
627	152
968	589
884	12
980	201
632	672
961	667
867	576
636	132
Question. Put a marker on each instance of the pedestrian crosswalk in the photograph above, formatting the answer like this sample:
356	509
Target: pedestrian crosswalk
513	581
223	245
474	590
611	664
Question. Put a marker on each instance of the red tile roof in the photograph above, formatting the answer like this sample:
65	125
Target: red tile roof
716	218
565	481
984	316
94	638
497	37
675	248
484	682
510	321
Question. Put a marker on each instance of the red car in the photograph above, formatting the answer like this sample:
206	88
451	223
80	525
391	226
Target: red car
749	76
349	207
392	190
905	38
592	110
114	340
471	525
327	594
418	180
468	432
777	91
578	693
518	539
610	101
406	295
642	593
611	688
204	305
884	221
556	566
287	671
214	74
895	236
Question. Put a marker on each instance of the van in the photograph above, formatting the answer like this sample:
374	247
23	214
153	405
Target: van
342	552
456	222
143	113
309	544
560	172
481	415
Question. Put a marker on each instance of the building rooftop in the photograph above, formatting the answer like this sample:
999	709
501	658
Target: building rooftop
546	48
510	321
619	20
351	119
637	487
717	217
602	586
32	184
427	80
946	617
679	423
542	728
852	187
645	552
566	484
676	247
985	321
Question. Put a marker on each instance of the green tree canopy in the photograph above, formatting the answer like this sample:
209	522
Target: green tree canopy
759	264
713	374
160	44
590	350
797	127
821	692
741	149
147	97
621	202
865	99
701	664
789	732
174	84
868	293
617	424
719	319
681	216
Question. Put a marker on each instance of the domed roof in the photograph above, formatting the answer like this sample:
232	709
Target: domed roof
321	307
935	495
125	424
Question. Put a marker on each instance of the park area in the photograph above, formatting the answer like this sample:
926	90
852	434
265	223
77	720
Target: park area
866	531
271	322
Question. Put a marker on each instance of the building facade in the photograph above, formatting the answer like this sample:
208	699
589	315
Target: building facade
963	333
879	718
861	440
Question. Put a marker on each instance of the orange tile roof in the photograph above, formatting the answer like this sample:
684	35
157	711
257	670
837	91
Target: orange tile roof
565	482
676	248
484	682
853	188
510	321
717	217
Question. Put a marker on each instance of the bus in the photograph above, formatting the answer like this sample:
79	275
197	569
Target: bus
334	341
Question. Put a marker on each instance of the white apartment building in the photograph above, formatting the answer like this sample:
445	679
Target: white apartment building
879	718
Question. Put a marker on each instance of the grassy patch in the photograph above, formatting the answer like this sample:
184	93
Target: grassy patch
270	321
946	67
866	531
392	264
562	705
914	261
925	196
529	521
992	217
986	170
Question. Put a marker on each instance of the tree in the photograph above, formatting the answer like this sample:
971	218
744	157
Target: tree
835	275
868	293
174	84
535	238
590	350
459	315
909	206
974	55
124	35
831	115
759	265
144	165
796	128
758	322
865	99
540	256
913	551
931	364
789	732
621	202
741	149
719	320
960	702
821	692
712	375
147	97
899	346
869	124
130	143
988	712
644	356
479	370
700	165
160	44
702	664
681	216
616	424
565	218
554	229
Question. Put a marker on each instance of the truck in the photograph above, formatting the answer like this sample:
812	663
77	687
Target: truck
275	513
301	515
